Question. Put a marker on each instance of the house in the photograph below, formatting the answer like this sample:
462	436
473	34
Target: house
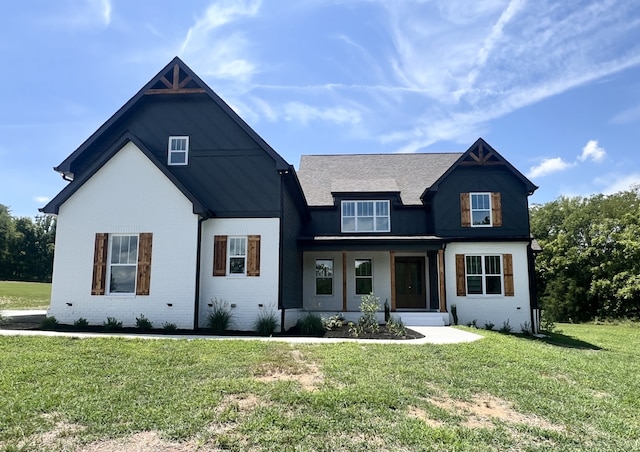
175	202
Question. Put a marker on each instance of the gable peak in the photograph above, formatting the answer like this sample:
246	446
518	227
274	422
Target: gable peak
480	153
175	78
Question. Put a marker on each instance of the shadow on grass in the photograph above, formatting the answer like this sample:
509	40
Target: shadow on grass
561	340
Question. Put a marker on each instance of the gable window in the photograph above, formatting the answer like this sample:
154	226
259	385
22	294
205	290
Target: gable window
480	210
236	255
324	276
365	216
178	153
364	276
125	261
484	274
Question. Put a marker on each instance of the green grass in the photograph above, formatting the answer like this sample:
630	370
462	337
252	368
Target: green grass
579	390
24	295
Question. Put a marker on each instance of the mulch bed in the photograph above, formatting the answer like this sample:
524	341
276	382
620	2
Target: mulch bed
342	332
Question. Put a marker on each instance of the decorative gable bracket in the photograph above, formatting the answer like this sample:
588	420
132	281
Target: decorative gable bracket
175	81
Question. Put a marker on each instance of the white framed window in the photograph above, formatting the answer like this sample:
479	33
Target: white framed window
364	276
481	210
365	216
123	263
324	276
237	256
178	153
484	274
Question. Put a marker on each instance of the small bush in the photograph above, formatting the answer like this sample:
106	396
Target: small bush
387	311
266	323
546	322
143	323
506	328
526	328
473	323
81	323
220	317
112	324
335	322
311	325
396	327
489	326
368	322
49	323
169	327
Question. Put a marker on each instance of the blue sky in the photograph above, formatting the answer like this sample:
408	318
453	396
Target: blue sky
553	86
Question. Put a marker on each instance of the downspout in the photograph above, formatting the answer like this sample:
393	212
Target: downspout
533	290
196	307
281	251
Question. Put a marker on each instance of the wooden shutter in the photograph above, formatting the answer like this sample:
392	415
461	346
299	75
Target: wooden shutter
507	263
253	255
465	210
461	286
496	209
143	282
99	283
220	255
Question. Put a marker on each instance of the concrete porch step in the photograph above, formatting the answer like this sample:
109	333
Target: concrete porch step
423	318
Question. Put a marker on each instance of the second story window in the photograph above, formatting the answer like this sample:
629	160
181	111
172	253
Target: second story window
178	153
365	216
480	209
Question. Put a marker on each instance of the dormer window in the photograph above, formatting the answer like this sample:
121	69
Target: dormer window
365	216
178	153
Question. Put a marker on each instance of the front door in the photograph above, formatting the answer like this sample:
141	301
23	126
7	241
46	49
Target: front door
410	290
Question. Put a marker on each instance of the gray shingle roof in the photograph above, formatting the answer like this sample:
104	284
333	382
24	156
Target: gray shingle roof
409	174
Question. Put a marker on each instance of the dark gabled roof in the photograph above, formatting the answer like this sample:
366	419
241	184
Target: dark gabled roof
175	77
481	153
54	205
406	174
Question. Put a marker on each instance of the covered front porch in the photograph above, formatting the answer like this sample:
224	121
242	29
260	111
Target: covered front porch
408	275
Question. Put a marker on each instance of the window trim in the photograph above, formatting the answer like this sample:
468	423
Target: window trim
110	265
356	218
331	278
356	277
171	152
507	288
230	256
489	210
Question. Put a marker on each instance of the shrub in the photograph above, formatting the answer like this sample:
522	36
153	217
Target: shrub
396	327
387	311
143	323
311	325
526	328
49	323
169	327
266	323
112	324
473	323
220	317
506	328
489	326
368	322
81	323
546	322
335	322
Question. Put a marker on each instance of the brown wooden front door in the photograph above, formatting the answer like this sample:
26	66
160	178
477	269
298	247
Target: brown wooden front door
410	287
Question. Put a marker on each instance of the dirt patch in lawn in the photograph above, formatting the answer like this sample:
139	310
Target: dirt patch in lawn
484	409
302	371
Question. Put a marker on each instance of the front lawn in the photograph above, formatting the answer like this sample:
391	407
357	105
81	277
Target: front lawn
578	391
24	295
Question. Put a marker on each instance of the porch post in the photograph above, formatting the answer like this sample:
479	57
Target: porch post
392	265
442	292
344	281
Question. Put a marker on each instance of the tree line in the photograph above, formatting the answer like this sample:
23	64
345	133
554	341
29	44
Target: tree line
590	261
26	247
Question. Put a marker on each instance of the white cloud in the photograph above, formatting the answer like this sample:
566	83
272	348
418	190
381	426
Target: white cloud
617	183
86	14
591	151
548	166
627	116
41	199
216	53
297	111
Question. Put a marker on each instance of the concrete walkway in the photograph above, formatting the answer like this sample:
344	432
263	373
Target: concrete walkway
432	334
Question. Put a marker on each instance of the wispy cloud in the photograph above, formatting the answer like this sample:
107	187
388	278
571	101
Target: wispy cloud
41	199
627	116
591	151
614	183
299	112
84	14
217	53
548	166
